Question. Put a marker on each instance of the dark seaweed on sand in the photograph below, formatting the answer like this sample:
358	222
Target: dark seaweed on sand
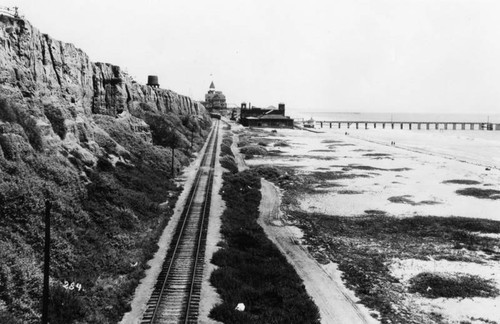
335	175
377	154
405	199
435	285
462	181
480	193
367	167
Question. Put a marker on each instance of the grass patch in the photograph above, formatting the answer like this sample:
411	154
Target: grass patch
335	175
314	157
405	199
251	270
227	142
333	146
275	152
331	141
462	181
329	185
363	246
377	155
368	168
375	212
435	285
226	153
349	192
281	144
229	163
253	150
480	193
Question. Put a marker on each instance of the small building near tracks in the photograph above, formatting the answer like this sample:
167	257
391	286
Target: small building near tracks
265	117
274	121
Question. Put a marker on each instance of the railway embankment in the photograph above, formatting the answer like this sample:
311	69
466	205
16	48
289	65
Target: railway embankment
99	146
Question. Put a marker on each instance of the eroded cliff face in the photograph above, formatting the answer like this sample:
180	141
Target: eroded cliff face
37	71
96	144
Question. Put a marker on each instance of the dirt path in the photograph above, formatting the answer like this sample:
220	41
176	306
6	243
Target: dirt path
323	283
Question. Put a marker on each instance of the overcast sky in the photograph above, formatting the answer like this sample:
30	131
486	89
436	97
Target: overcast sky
325	55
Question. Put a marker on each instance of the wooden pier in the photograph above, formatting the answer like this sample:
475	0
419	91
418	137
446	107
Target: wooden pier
408	125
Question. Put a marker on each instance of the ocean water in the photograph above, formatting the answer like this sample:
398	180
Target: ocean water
396	117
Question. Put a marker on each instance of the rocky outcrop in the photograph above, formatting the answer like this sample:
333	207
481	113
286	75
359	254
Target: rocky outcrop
38	72
13	141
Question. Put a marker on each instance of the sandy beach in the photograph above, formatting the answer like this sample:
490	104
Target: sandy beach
426	173
416	167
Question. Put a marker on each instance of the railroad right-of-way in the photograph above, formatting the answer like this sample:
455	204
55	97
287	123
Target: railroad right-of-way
176	295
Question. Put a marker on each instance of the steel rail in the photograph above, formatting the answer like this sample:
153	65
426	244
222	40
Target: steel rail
180	236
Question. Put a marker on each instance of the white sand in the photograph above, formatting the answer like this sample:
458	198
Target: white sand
456	309
433	157
423	182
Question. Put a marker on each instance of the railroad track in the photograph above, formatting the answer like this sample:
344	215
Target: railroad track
176	295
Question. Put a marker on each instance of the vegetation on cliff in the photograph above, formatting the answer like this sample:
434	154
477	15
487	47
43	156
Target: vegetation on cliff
98	145
106	216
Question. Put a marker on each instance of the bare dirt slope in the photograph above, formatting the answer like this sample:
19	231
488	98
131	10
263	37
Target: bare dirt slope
323	284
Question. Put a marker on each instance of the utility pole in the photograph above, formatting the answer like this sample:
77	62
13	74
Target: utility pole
173	160
192	137
46	265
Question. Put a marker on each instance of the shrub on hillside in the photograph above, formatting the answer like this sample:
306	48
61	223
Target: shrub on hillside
56	118
21	278
115	219
65	306
18	114
7	112
32	130
167	131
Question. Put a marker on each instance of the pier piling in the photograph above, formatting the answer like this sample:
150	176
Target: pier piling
414	125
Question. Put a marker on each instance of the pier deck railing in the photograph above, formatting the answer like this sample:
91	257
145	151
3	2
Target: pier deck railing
407	125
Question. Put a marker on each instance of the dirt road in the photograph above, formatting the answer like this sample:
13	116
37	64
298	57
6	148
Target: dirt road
336	303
